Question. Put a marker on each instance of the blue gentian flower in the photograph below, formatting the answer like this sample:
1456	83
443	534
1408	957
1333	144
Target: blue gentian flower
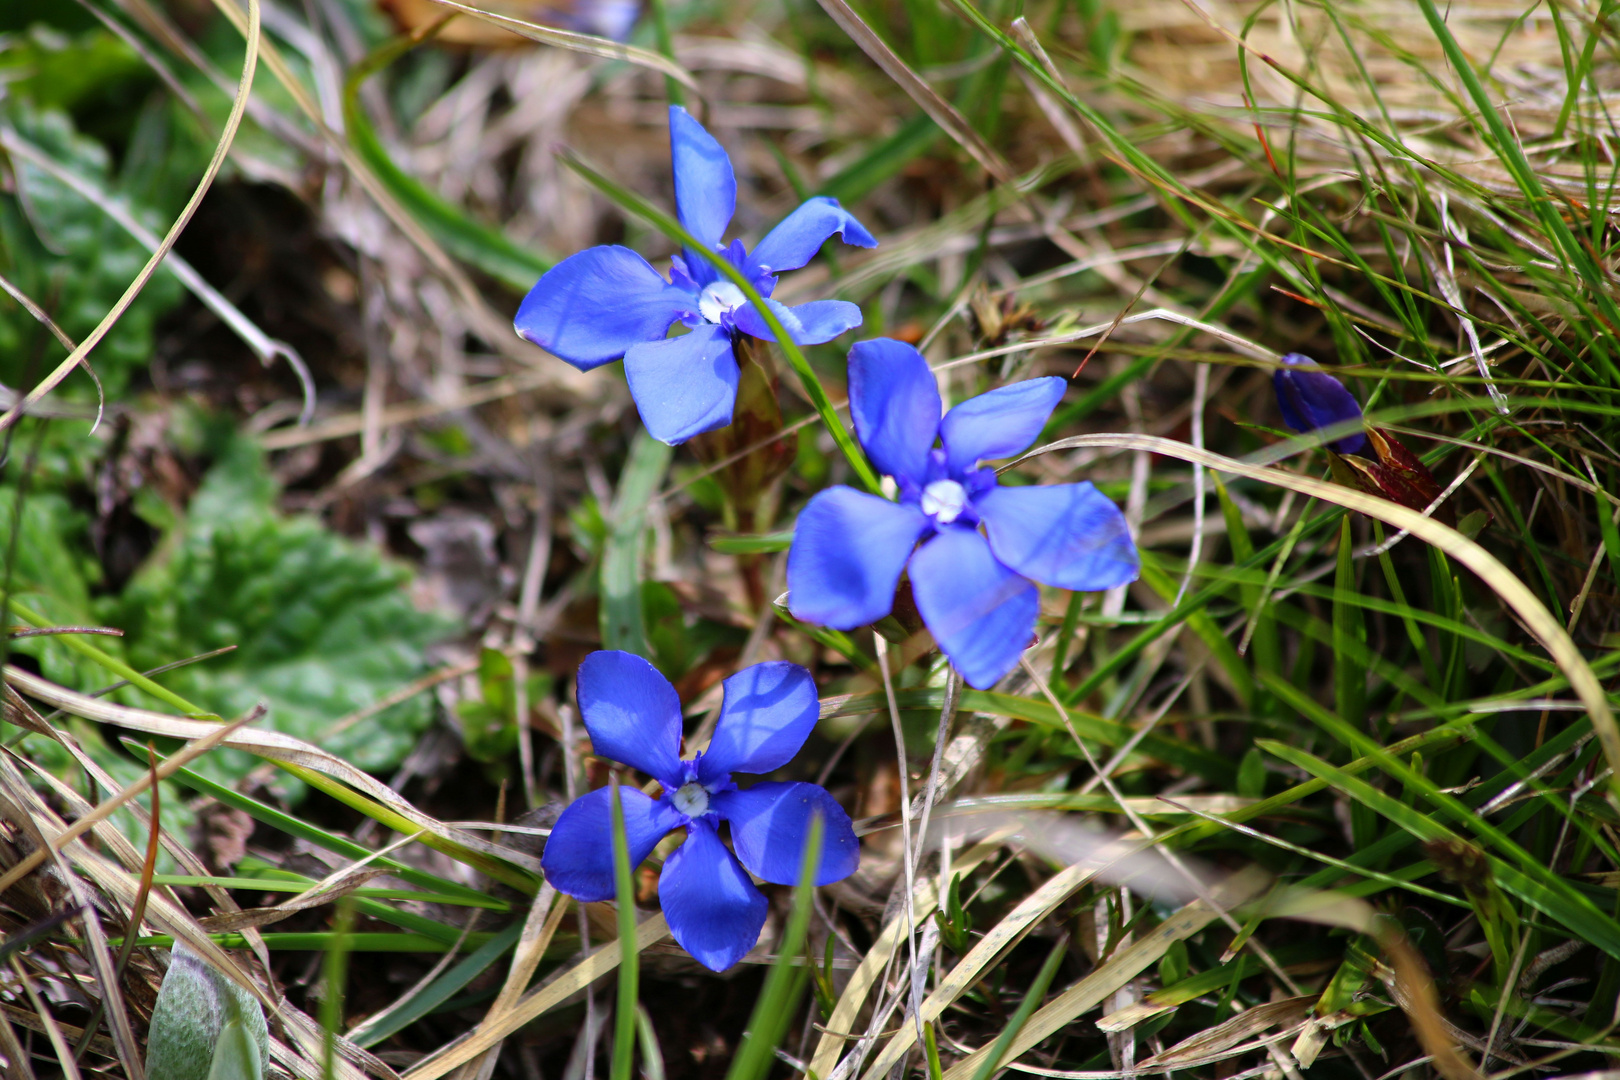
608	302
1310	399
634	717
975	591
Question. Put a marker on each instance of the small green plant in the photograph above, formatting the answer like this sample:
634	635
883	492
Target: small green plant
204	1026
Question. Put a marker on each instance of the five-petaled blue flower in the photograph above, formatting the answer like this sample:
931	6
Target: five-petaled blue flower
607	302
634	717
1310	399
975	592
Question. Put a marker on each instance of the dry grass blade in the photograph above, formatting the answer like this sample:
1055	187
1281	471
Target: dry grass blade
1227	1039
267	744
221	148
334	887
539	927
339	427
1537	619
122	886
602	960
254	338
204	742
1408	978
64	1053
95	948
927	98
43	318
493	327
877	958
589	44
1011	929
1120	969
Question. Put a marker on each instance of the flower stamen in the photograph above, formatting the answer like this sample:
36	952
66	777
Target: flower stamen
691	799
944	501
719	297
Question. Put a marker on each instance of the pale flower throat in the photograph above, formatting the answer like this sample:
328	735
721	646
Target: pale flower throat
944	501
691	799
719	297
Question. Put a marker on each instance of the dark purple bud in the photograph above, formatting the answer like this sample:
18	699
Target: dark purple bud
1312	399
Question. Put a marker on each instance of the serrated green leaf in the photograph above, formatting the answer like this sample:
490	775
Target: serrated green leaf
73	260
322	626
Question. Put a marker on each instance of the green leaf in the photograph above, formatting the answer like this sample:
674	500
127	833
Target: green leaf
73	260
489	727
58	72
52	575
1251	777
195	1007
753	543
322	626
236	1056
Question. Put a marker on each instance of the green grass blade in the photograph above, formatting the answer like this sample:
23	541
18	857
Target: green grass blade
335	978
479	245
1026	1009
1349	636
1535	885
785	983
292	826
403	1014
624	623
624	1018
291	886
754	544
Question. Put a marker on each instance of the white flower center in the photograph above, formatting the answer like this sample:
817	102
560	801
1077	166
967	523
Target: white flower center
718	298
692	799
944	500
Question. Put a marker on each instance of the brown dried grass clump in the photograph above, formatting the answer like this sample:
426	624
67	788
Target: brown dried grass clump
1380	62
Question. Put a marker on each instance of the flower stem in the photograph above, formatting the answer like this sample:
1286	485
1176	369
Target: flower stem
670	227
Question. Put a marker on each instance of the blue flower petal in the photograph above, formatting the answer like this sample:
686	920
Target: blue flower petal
595	304
578	859
981	613
998	424
1069	536
894	401
713	909
632	713
847	554
705	186
684	386
768	711
1310	398
807	324
798	237
769	825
